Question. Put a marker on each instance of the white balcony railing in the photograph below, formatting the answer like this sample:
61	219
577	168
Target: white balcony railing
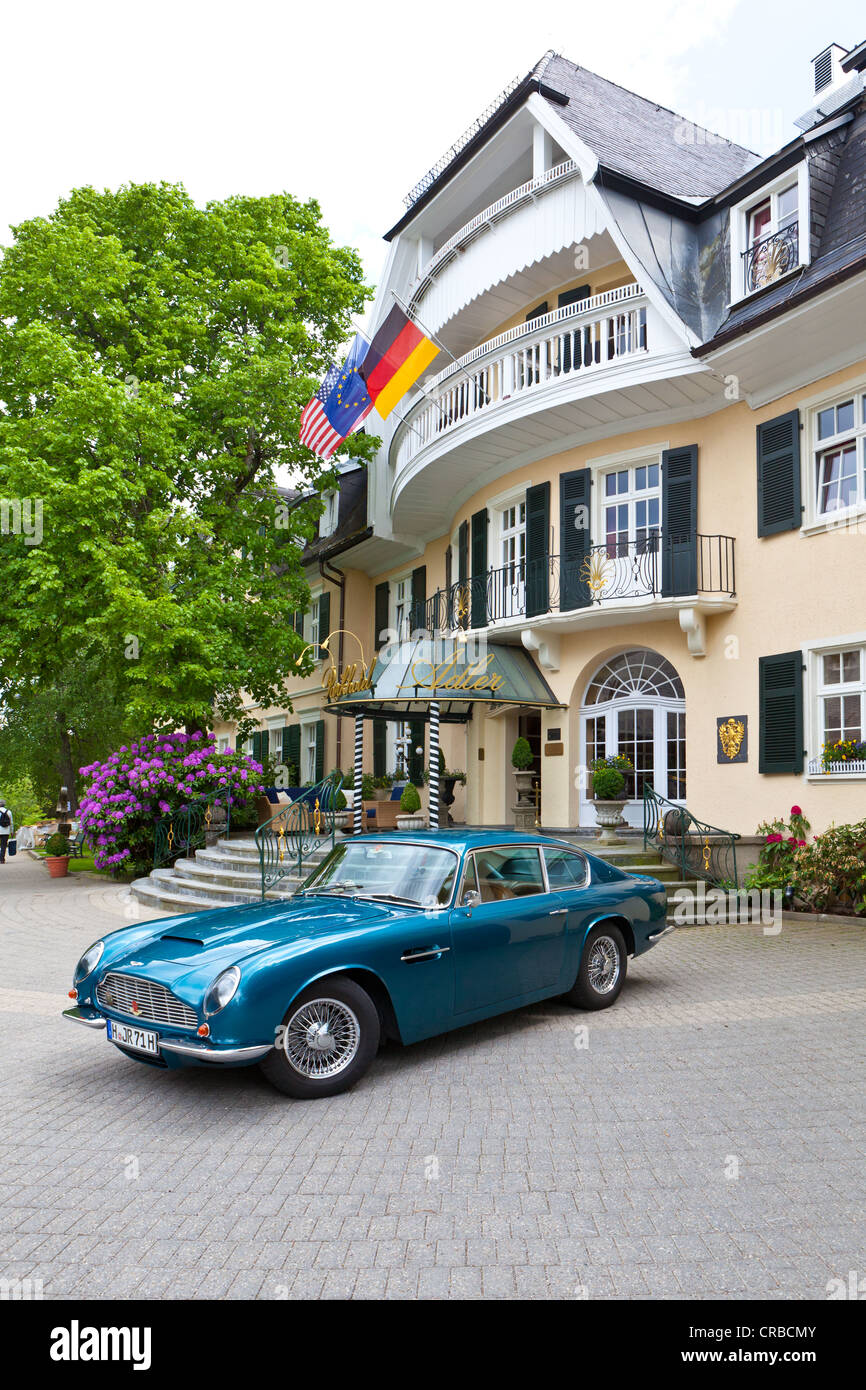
551	177
853	767
567	343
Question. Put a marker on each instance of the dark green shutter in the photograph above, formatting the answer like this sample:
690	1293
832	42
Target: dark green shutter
298	621
324	622
537	548
417	732
320	751
779	506
292	751
260	747
256	750
417	616
382	596
463	553
780	701
574	537
538	312
380	747
478	615
680	520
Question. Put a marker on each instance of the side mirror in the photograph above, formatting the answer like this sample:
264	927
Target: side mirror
471	898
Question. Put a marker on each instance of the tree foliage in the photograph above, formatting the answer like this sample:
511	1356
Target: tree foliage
154	361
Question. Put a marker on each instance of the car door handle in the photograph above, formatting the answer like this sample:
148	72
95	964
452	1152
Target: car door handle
558	912
424	953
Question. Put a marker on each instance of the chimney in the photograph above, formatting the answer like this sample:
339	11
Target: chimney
827	69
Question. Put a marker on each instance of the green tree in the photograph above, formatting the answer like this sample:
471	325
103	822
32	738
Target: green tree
154	361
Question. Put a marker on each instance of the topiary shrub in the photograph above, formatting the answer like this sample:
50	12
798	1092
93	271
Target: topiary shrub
521	755
410	801
340	802
57	846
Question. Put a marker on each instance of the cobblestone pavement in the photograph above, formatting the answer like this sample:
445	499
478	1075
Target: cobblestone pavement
707	1142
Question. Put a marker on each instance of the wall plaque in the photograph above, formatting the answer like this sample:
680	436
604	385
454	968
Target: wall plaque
732	738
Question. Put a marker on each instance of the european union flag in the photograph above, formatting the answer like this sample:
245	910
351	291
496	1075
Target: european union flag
349	402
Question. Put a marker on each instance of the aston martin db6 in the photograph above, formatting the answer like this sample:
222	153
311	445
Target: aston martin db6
391	936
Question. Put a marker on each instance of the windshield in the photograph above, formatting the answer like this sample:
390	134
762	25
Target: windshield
418	874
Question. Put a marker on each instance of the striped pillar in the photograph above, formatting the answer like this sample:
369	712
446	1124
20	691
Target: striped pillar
433	807
358	806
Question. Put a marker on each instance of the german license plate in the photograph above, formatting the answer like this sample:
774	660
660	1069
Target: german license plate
126	1035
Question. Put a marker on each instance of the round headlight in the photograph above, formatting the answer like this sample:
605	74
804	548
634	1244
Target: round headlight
221	990
89	961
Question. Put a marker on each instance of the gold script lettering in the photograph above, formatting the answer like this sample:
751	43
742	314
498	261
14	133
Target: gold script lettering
447	676
352	679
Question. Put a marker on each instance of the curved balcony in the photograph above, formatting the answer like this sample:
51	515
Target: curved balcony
609	577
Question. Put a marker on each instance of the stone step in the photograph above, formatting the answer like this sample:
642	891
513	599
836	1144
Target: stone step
191	887
243	878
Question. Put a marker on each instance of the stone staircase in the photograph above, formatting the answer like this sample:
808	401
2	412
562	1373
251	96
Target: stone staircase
222	875
634	859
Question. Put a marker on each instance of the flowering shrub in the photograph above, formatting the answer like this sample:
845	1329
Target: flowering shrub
829	875
159	773
847	750
781	841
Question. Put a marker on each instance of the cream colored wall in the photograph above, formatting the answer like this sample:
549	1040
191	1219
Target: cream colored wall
792	589
607	277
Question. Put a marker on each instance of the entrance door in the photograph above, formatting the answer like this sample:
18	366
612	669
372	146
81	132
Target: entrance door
635	707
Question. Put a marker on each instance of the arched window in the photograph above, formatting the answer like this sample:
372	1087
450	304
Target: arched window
639	673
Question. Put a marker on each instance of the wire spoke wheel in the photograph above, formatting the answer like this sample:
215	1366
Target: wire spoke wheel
322	1038
604	965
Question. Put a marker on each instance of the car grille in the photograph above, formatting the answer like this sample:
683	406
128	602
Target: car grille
155	1003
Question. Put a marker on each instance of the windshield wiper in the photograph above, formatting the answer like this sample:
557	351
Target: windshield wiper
389	898
338	889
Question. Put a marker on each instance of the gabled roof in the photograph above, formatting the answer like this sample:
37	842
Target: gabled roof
629	135
642	140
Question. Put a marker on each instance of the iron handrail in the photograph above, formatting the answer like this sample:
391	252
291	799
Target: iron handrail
698	849
297	831
186	829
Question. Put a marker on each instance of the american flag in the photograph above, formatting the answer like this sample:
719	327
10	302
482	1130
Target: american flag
316	429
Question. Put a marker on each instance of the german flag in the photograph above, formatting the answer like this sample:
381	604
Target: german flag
395	359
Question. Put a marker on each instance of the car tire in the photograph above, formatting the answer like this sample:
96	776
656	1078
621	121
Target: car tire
603	966
326	1042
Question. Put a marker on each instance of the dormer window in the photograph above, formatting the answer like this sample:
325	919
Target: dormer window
328	519
765	234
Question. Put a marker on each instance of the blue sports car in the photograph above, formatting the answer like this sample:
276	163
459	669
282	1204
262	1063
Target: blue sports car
391	936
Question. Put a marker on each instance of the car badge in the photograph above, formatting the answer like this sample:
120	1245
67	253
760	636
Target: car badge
136	1008
136	962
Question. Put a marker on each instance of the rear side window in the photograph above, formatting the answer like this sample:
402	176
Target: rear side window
565	869
508	873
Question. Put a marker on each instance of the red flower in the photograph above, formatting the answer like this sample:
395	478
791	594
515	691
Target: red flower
774	839
792	839
796	811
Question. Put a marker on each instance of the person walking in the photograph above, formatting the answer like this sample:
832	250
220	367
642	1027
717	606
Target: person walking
6	829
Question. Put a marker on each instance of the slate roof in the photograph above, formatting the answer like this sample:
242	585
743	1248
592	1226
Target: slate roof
351	518
642	140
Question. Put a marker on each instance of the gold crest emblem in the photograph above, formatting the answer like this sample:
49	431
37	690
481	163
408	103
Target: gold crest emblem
595	572
731	735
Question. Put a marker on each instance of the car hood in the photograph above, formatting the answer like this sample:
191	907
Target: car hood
196	946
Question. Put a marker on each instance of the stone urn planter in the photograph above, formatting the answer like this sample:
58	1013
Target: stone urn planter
381	793
413	822
58	865
523	783
609	815
341	819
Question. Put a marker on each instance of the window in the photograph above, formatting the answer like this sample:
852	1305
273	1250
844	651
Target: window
309	752
511	581
565	869
507	873
328	519
314	628
632	510
842	695
400	603
765	233
839	444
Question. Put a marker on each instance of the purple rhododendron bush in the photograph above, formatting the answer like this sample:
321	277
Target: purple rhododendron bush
160	773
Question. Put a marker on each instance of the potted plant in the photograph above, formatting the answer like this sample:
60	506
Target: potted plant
448	779
608	785
382	787
521	761
410	805
57	855
368	788
341	813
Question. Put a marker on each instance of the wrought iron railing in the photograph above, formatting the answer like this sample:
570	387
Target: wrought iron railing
697	849
657	565
297	831
185	830
771	256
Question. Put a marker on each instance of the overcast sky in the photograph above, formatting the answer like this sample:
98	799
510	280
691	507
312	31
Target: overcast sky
352	103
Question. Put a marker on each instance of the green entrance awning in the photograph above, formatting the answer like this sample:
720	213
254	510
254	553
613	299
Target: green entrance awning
408	676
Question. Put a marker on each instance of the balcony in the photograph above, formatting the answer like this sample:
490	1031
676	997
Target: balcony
610	583
771	257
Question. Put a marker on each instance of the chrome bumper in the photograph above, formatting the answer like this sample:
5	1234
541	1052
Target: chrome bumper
671	926
201	1051
215	1054
85	1016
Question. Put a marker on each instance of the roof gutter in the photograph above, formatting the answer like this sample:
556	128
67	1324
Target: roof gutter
777	310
